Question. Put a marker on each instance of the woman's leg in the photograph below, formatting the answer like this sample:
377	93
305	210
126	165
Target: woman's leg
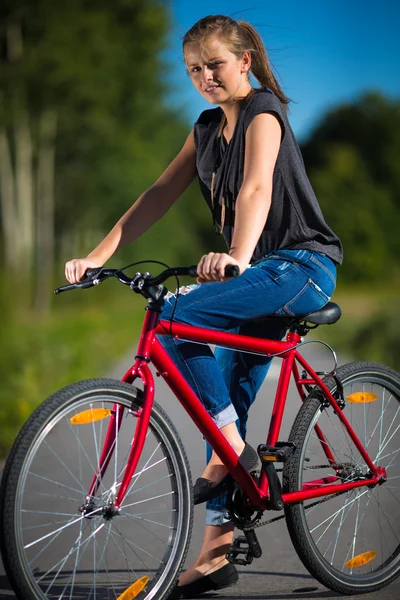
290	282
243	374
212	556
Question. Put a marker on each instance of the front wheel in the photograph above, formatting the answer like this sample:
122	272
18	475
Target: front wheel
350	542
50	547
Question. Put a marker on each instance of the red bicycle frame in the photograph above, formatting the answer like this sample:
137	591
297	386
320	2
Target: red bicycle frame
151	350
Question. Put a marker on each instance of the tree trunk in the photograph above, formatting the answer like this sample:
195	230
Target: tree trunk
45	209
7	205
24	190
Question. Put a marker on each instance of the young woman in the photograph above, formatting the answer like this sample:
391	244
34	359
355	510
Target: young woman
252	176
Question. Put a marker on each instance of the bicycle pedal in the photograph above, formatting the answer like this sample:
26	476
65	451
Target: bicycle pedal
239	546
281	452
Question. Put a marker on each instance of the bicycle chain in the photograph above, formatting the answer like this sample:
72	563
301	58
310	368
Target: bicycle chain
274	519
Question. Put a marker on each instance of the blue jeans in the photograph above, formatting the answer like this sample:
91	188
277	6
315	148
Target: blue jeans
292	282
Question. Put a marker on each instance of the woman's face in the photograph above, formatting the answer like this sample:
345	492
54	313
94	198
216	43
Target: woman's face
217	73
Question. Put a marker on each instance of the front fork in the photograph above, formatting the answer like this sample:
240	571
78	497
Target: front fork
140	369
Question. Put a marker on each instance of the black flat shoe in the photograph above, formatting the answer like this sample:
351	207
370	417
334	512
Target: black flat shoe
224	577
204	489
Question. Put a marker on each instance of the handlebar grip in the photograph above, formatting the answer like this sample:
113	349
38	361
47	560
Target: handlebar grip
87	283
232	271
64	288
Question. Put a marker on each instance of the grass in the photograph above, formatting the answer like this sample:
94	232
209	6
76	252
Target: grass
79	340
369	328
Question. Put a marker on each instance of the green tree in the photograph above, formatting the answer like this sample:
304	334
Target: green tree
83	124
352	157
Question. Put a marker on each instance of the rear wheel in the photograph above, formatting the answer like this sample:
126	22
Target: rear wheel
350	542
50	548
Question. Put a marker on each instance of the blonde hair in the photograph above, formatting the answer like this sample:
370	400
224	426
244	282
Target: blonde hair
238	37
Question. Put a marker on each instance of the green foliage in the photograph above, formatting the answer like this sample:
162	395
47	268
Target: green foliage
378	338
369	328
352	159
84	337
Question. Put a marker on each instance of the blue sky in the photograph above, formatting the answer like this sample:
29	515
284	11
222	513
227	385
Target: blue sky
324	51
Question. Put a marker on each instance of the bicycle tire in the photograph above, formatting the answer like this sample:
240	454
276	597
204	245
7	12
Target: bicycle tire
49	548
343	548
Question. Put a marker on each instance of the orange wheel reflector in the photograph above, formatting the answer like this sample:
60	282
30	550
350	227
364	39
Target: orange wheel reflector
361	559
362	397
89	416
134	589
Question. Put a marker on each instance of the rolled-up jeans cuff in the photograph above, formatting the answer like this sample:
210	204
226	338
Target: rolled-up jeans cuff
225	417
216	517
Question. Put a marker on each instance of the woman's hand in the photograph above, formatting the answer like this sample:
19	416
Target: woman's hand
211	267
75	269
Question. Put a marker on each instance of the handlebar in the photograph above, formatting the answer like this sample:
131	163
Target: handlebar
140	281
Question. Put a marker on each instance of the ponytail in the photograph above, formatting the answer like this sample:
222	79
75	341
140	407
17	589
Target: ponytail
260	63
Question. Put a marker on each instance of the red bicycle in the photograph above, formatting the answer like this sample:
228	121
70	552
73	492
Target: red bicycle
96	493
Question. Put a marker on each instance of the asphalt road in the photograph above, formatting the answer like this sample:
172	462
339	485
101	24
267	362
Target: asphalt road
278	574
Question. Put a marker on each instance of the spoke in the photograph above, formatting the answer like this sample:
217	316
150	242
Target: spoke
34	493
105	564
353	545
63	561
385	441
138	547
390	521
148	530
132	549
149	521
344	513
149	499
336	537
334	421
395	521
149	484
125	461
45	547
335	514
68	487
139	474
74	548
155	512
77	520
379	423
64	465
46	512
75	430
74	570
334	449
394	455
49	524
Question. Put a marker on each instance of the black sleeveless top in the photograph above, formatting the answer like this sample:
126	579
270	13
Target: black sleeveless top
295	220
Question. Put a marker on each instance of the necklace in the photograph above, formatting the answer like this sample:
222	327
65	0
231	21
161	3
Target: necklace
218	228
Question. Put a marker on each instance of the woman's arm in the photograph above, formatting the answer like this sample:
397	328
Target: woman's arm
263	138
148	209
